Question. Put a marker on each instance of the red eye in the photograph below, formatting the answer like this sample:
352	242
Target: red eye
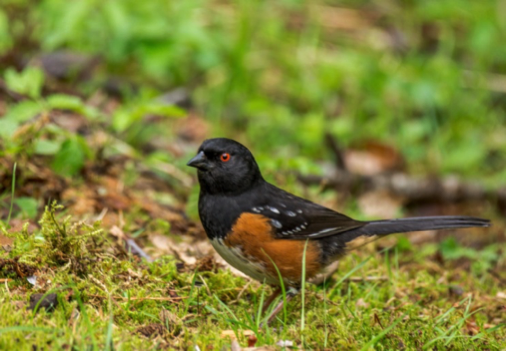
225	157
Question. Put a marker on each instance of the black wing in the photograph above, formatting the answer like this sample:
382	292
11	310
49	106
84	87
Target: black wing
297	218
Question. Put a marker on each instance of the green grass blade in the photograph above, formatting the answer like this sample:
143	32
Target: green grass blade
13	187
109	335
303	280
378	337
282	286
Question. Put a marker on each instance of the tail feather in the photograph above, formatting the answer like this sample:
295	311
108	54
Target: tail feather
386	227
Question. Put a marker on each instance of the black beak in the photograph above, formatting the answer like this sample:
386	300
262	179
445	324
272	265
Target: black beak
199	162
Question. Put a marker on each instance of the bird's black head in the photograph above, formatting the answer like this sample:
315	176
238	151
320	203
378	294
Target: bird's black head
225	166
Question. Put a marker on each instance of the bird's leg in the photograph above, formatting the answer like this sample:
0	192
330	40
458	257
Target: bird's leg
276	293
291	292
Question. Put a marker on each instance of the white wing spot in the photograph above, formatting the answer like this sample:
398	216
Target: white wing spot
283	205
291	213
299	211
256	210
276	223
323	231
273	209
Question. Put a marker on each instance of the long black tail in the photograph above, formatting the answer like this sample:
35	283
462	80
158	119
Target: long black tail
386	227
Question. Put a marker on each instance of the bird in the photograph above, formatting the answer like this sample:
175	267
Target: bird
268	233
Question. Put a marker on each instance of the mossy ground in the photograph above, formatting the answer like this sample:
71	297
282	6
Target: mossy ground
398	298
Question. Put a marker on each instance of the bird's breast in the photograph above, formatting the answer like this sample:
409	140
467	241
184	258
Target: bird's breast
251	247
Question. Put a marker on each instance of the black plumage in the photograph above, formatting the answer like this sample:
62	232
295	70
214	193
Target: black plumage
229	189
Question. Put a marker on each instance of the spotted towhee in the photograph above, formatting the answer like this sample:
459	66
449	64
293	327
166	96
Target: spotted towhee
262	230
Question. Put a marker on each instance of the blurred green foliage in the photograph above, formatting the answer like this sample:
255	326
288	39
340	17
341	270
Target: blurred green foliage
421	75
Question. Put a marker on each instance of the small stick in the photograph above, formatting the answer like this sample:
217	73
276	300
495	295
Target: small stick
337	151
167	299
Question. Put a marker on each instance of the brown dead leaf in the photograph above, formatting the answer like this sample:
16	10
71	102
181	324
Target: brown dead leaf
158	211
152	330
18	304
471	327
17	225
342	18
171	321
168	317
232	335
111	194
373	157
193	128
207	263
5	241
80	200
71	122
361	303
380	204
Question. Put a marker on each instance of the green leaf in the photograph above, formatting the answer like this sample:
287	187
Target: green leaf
72	103
65	102
71	157
28	82
7	128
28	206
403	244
126	117
46	147
451	249
122	119
24	111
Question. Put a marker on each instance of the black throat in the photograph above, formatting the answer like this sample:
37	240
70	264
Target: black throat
219	212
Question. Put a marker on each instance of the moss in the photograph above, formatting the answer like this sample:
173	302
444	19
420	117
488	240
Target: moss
388	302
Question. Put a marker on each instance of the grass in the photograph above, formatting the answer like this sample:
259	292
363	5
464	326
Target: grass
12	192
366	308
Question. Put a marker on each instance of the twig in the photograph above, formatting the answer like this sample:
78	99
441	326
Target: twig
136	250
7	288
496	276
491	81
410	188
166	299
337	151
242	291
12	192
130	243
367	278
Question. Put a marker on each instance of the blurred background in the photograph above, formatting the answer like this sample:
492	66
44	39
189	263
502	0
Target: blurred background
376	108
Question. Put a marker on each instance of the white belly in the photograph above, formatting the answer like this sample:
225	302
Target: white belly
235	258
